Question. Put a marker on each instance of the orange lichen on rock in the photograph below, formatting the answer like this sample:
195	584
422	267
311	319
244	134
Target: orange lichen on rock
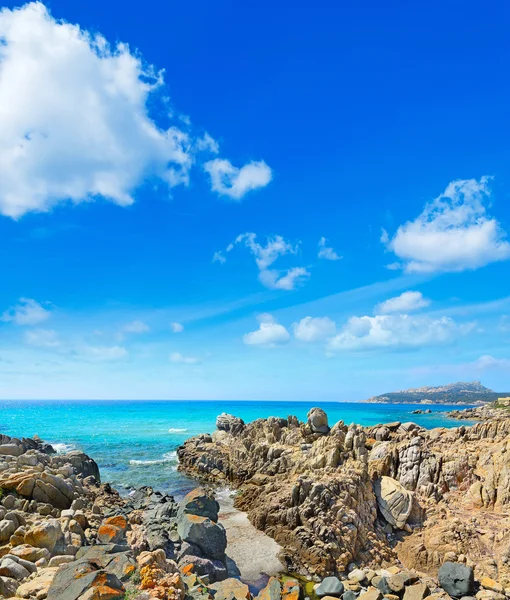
163	586
117	521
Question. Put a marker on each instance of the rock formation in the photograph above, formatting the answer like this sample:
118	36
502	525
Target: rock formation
370	495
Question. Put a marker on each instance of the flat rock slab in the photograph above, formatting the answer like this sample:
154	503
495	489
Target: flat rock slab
254	553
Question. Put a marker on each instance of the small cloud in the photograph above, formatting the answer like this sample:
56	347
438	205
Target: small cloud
406	302
136	327
453	233
326	252
270	333
315	329
292	278
26	312
43	338
489	362
178	358
234	182
207	144
176	327
219	257
102	353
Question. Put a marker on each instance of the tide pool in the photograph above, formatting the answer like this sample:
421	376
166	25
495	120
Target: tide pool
135	442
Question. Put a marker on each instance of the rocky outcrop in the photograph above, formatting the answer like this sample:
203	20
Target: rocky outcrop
370	495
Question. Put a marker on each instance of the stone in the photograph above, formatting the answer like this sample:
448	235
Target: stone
11	568
418	591
358	575
393	500
8	587
456	579
349	595
330	586
229	423
63	559
10	450
318	421
291	590
82	577
47	534
489	584
7	528
229	589
109	534
201	503
210	537
37	587
489	595
214	570
27	552
371	594
272	591
118	521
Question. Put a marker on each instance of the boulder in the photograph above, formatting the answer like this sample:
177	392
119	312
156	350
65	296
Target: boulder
47	535
226	422
318	421
11	568
330	586
8	587
210	537
418	591
215	570
29	553
291	590
7	528
11	450
201	503
456	579
83	579
229	589
349	595
110	534
272	591
83	465
393	500
371	594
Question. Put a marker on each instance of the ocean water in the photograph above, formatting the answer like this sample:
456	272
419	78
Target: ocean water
135	442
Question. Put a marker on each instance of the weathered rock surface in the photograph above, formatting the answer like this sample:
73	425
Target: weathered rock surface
368	494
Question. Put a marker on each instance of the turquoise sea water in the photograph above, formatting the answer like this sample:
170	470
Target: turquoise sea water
135	443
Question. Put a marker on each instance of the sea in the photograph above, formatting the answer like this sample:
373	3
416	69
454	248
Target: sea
135	442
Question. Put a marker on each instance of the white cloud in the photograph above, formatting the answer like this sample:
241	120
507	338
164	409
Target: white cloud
208	144
327	252
453	233
265	256
406	302
74	123
312	329
102	353
43	338
177	357
176	327
136	327
289	280
26	312
219	257
489	362
234	182
269	333
396	331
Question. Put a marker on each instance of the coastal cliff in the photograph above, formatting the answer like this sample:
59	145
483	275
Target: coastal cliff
370	495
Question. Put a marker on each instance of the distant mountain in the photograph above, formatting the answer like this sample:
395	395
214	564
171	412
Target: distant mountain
454	393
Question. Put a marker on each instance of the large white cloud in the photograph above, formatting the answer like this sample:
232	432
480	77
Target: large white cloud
406	302
26	312
453	233
396	331
75	123
270	333
235	182
312	329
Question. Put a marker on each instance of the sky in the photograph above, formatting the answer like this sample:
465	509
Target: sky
253	201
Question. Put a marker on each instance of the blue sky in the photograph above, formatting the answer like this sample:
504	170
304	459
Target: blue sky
230	201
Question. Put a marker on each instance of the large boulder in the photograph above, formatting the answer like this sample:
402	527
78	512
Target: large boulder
47	535
330	586
393	500
38	587
226	422
318	421
456	579
83	465
200	502
210	537
78	578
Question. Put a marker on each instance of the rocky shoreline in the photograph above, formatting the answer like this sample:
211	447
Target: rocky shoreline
392	512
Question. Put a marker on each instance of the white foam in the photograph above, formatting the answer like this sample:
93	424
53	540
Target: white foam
176	430
63	448
167	458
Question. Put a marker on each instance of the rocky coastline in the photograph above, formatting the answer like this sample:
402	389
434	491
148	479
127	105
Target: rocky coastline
392	512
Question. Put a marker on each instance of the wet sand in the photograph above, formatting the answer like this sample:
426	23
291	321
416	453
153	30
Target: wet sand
254	553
